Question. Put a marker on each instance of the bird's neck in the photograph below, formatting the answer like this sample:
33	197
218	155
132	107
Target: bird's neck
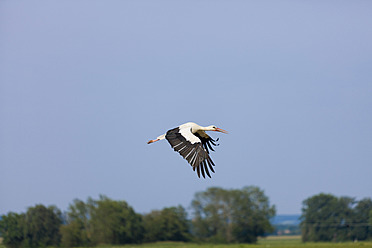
196	128
209	128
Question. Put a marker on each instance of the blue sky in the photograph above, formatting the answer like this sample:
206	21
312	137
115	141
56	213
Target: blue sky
85	84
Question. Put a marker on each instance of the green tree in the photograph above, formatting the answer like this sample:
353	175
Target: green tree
319	218
11	229
362	220
231	215
41	226
72	235
327	218
212	215
169	224
114	222
102	221
370	224
76	231
345	218
252	214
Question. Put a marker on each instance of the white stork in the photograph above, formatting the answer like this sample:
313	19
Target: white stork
191	141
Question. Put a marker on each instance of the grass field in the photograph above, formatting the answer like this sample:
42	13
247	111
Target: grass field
275	242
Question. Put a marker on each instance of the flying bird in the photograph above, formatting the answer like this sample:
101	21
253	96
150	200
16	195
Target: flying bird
191	141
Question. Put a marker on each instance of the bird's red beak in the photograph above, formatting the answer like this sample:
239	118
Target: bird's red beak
221	130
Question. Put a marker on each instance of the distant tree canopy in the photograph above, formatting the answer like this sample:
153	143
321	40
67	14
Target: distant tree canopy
115	222
102	221
38	227
231	215
329	218
168	224
239	215
77	231
11	227
219	216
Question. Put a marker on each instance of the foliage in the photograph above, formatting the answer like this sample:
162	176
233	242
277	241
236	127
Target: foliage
114	222
38	227
41	226
362	220
220	215
328	218
72	235
102	221
169	224
11	228
231	215
76	231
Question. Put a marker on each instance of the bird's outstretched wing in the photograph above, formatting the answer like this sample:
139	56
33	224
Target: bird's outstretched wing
191	148
206	140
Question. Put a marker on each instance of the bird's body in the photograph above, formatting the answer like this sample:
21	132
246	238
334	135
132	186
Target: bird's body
192	142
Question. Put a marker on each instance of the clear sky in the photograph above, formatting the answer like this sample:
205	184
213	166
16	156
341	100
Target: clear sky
85	84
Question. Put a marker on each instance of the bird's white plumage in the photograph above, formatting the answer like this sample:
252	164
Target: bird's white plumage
189	136
192	143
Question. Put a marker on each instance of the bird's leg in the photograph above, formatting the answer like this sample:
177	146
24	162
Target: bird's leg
161	137
152	141
157	139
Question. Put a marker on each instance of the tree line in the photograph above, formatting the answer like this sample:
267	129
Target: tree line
220	215
326	217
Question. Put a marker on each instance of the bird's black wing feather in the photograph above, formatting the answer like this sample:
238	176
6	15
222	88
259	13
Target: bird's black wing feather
206	140
196	153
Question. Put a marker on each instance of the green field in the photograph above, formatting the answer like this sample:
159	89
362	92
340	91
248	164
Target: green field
275	242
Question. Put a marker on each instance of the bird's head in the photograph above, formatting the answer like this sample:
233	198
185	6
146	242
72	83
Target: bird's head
214	128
